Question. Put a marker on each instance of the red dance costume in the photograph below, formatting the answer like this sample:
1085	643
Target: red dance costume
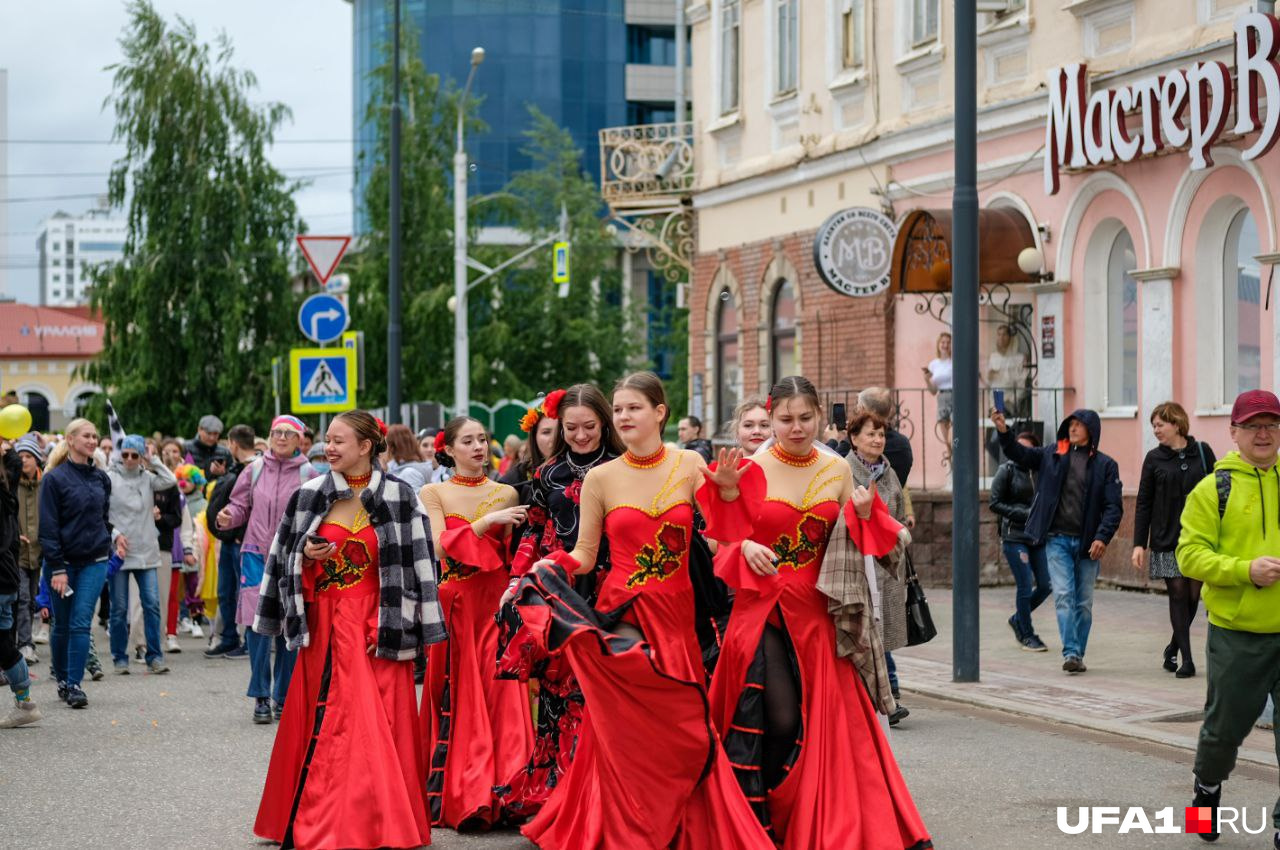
648	772
842	789
346	768
476	729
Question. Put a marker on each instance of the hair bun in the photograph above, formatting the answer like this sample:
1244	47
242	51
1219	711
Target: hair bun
444	459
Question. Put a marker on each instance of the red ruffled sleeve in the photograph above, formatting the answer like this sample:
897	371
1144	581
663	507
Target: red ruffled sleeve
878	534
461	544
564	561
731	522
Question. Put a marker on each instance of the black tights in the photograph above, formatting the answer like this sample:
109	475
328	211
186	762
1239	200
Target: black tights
1184	600
781	706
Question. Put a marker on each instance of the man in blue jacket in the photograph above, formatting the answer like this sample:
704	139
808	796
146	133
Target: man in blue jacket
1076	512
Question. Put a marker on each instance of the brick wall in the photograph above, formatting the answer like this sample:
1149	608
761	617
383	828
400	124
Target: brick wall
843	342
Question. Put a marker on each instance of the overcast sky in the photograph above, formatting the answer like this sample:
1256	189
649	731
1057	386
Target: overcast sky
55	52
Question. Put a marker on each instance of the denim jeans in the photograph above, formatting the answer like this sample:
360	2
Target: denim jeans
1073	580
893	670
11	661
149	596
1031	575
228	592
73	619
28	590
261	681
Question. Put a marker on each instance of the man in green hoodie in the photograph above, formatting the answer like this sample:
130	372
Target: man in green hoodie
1231	541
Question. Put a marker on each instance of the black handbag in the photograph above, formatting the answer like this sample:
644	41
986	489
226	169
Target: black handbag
920	627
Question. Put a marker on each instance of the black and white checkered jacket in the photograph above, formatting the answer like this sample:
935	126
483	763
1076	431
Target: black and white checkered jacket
409	615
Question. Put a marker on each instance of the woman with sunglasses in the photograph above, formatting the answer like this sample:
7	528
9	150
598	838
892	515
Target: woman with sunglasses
135	479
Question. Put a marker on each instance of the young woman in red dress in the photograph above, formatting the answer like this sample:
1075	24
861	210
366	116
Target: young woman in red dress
346	769
797	721
584	440
648	772
475	728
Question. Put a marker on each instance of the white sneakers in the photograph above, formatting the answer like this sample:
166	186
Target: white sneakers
184	626
29	655
196	631
42	636
21	714
172	644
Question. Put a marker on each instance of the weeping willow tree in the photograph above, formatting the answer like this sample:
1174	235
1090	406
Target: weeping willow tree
201	300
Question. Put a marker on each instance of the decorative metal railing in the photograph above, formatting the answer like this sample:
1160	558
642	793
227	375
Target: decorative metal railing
645	165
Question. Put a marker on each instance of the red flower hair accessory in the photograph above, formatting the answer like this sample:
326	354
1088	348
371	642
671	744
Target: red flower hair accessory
768	404
551	404
438	445
382	426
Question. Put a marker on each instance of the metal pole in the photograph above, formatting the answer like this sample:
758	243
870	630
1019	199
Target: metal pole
680	66
964	319
461	336
393	284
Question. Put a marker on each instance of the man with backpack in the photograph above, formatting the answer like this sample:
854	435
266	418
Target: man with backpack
1230	540
243	453
261	494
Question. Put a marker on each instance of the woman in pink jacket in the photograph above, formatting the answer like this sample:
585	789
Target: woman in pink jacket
258	501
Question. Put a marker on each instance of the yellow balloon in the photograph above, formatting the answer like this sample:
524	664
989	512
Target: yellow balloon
15	420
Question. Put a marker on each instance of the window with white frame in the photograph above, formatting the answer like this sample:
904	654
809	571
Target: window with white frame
853	34
924	22
787	46
1122	323
730	42
1242	307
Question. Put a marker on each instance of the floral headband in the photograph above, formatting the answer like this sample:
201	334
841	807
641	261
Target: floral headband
550	408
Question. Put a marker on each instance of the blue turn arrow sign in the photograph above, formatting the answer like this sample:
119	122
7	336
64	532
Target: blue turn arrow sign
323	318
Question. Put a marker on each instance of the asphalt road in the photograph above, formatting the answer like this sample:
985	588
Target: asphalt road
174	761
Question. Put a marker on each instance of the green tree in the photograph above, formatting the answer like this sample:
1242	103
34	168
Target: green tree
529	339
202	300
429	112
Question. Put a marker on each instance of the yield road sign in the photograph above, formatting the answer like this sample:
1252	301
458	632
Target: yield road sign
323	318
323	253
322	380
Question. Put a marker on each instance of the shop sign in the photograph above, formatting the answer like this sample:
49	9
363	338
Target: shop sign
1048	338
853	251
1184	109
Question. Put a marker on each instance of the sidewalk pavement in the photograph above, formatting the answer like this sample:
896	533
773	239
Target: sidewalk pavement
1126	691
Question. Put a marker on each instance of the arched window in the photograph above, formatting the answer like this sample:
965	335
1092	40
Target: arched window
1241	307
728	356
782	332
1122	323
38	404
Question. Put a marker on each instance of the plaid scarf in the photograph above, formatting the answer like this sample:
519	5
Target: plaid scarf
409	615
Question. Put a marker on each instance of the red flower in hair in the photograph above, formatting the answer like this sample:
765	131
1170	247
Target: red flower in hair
551	404
382	426
768	404
438	445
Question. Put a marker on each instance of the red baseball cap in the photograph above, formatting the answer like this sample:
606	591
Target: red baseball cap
1254	403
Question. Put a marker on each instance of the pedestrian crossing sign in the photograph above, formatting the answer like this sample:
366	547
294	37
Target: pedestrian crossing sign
322	380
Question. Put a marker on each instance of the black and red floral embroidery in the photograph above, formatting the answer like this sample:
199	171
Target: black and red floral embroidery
346	568
661	561
801	550
454	570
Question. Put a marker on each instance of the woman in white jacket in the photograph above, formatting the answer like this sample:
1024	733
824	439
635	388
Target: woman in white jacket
134	480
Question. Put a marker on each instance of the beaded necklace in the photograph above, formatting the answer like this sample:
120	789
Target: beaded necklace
794	460
360	480
468	480
646	462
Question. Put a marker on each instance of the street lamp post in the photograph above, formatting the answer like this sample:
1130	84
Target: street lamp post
964	321
461	337
393	282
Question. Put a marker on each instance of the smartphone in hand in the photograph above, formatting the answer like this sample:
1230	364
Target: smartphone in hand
838	417
997	399
318	539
